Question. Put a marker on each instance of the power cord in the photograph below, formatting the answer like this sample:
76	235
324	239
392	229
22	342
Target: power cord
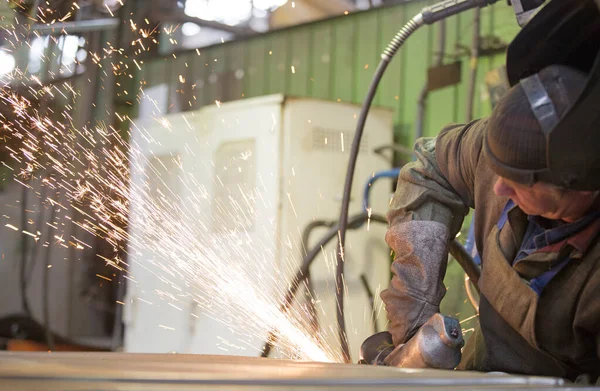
428	15
303	271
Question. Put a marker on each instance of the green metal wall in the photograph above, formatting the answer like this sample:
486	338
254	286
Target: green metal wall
334	59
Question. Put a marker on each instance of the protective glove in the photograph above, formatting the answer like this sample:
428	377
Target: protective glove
417	288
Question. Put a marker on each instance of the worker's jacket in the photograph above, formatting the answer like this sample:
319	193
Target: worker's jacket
555	333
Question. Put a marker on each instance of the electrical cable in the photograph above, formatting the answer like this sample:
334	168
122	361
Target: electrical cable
396	43
305	241
386	57
38	225
365	283
465	260
353	223
428	15
308	230
24	248
46	284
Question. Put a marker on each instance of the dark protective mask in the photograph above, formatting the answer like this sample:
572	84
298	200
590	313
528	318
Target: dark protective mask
566	32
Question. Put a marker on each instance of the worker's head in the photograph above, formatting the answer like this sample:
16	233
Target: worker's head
516	144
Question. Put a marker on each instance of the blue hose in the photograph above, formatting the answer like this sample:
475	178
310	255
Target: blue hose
393	173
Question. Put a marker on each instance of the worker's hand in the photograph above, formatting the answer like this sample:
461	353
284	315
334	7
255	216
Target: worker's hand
419	266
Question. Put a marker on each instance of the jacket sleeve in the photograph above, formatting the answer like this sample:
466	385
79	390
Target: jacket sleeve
433	196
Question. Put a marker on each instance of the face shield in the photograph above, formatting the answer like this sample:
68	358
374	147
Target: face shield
565	32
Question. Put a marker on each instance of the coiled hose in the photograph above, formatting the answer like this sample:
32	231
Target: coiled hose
386	57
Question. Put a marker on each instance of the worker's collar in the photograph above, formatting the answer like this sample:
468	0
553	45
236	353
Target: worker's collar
581	240
584	230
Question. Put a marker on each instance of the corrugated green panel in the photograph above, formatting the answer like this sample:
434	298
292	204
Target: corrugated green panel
440	104
481	63
321	62
465	35
329	60
345	36
367	54
389	92
416	54
188	85
218	59
147	71
300	54
278	66
453	27
491	18
489	23
235	70
217	77
459	90
200	71
453	40
7	15
255	69
175	72
505	25
481	100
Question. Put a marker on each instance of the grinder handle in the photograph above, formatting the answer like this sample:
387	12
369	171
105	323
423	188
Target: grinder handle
437	344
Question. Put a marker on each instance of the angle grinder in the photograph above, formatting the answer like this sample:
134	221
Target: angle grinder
437	344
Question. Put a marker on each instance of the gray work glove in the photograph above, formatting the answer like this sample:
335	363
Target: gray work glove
417	288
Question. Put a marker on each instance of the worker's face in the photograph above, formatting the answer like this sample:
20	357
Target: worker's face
546	200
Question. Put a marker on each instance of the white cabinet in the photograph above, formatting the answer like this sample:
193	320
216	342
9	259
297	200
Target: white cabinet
219	199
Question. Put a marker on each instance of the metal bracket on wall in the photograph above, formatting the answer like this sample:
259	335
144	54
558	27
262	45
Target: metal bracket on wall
488	46
444	76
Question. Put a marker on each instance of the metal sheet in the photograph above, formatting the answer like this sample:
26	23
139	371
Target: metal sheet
121	371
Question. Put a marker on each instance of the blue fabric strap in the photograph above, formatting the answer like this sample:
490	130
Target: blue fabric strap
539	283
504	216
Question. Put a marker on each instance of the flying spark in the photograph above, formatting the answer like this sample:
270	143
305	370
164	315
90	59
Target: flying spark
109	183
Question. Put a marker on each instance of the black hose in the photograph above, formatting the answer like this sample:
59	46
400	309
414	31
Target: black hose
308	230
343	222
369	291
466	262
46	284
38	226
312	309
24	248
456	250
386	57
354	222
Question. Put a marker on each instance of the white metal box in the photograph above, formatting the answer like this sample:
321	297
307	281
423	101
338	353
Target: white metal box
220	197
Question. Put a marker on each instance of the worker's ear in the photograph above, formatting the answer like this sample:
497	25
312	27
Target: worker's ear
571	192
588	193
587	196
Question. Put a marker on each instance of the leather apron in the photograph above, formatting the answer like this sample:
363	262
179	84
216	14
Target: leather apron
505	338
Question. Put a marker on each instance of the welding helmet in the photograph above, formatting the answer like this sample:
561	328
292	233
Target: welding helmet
564	32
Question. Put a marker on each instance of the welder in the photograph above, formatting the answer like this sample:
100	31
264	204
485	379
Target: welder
531	173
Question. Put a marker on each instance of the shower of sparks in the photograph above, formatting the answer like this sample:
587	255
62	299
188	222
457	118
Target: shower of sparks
101	180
